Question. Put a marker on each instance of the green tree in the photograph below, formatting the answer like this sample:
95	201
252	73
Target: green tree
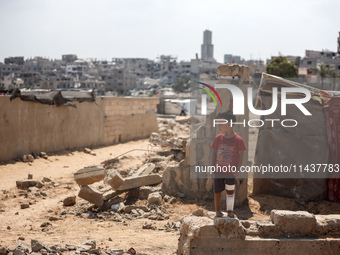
279	66
323	71
182	83
334	77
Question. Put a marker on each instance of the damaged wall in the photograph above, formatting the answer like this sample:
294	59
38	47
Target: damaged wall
288	232
28	127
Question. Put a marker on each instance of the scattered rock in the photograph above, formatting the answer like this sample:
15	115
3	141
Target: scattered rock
46	179
91	243
28	158
148	225
87	150
70	201
30	176
24	206
198	212
36	245
43	193
155	198
43	155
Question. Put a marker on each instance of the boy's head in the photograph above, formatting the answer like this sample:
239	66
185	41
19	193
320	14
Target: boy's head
226	115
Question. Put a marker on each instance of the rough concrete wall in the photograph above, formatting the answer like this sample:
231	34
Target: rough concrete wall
129	118
28	127
288	232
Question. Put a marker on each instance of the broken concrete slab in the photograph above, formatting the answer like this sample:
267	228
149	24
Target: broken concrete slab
26	183
295	223
138	181
146	169
89	175
114	179
92	195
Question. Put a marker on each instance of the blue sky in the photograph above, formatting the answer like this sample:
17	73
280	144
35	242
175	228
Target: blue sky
105	29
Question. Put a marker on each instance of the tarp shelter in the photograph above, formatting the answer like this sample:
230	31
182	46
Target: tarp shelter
315	140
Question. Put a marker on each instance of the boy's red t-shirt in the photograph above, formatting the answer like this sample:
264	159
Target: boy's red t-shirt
227	150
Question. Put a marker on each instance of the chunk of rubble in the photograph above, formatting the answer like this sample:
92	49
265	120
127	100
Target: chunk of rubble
89	175
27	158
36	245
70	200
138	181
26	183
92	195
155	198
43	155
146	169
144	192
198	212
114	179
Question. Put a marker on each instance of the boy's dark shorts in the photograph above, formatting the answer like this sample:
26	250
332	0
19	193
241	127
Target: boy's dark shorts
220	180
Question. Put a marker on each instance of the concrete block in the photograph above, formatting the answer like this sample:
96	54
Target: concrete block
295	223
114	179
144	192
89	175
91	195
26	183
135	182
155	198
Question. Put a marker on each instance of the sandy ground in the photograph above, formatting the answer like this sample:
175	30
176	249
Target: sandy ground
72	229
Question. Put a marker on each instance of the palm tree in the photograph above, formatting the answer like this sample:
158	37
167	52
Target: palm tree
334	76
323	71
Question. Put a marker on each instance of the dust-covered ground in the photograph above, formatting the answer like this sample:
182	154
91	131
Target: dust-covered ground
52	223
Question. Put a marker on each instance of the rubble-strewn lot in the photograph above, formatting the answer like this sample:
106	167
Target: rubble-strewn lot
108	200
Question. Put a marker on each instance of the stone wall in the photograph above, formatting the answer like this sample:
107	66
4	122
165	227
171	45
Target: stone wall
288	232
28	127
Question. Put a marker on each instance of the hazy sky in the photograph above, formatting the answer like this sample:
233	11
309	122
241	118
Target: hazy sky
148	28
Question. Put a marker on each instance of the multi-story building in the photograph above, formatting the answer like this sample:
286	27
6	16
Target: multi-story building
207	48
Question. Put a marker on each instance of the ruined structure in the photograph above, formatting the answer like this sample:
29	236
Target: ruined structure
287	232
182	177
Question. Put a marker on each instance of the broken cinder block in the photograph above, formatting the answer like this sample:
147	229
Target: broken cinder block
91	195
114	179
89	175
138	181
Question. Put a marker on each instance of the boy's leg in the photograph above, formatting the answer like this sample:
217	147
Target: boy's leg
217	200
230	198
218	185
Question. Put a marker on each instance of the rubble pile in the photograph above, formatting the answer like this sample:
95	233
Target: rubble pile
39	248
32	189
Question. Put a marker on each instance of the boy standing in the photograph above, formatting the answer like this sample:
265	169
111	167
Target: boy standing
228	153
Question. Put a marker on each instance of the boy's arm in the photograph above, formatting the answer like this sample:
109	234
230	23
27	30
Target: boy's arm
239	164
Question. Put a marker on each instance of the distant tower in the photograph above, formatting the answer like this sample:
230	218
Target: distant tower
207	49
